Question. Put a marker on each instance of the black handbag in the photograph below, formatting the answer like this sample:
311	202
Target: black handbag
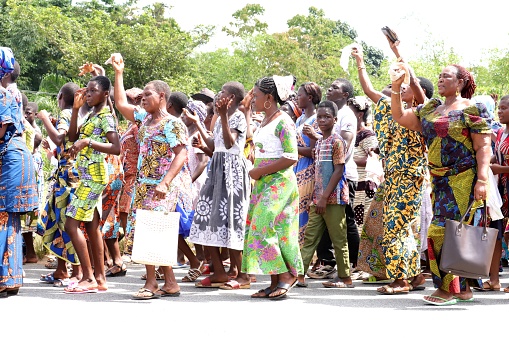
467	250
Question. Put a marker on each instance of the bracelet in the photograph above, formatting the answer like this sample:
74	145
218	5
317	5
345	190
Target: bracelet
399	59
483	181
394	92
361	67
90	142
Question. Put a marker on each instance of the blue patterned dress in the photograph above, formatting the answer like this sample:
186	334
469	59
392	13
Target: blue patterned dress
18	191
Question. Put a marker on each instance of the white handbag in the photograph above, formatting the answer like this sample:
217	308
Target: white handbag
156	238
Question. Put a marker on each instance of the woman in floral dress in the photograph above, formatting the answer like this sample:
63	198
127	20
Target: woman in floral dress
163	179
272	245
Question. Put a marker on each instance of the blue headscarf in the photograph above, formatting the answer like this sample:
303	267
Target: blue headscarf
6	61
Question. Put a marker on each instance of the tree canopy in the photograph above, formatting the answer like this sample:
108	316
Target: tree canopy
51	39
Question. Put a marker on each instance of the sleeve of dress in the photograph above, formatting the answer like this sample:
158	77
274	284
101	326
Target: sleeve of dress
238	122
287	134
64	120
6	116
381	123
338	152
478	119
108	123
139	115
175	133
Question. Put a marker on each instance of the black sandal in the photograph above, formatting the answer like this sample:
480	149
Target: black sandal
122	271
267	292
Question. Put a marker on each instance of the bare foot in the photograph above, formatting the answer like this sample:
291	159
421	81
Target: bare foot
440	296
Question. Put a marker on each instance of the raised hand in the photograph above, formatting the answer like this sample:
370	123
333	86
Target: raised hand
86	68
79	98
194	118
117	62
222	105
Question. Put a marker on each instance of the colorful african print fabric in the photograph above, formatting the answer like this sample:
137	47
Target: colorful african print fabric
403	152
305	171
62	185
155	160
92	167
453	168
110	222
271	245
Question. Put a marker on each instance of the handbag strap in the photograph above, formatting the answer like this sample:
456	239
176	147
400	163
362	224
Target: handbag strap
484	217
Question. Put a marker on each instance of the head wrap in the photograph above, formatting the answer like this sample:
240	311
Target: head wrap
199	108
284	86
296	110
6	61
361	102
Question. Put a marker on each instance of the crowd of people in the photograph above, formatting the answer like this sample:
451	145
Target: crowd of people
274	179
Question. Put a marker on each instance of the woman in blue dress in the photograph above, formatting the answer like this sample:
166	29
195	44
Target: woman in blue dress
17	184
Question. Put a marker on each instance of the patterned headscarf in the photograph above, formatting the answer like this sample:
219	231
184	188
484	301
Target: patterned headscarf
6	61
199	108
296	110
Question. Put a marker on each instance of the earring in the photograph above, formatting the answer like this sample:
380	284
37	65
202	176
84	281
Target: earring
265	104
457	91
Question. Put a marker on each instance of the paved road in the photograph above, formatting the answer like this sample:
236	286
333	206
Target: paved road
44	311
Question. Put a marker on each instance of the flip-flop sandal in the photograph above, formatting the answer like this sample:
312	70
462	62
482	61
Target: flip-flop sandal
464	300
165	294
206	283
444	302
145	294
234	285
490	287
47	278
283	286
192	275
302	284
373	280
267	292
416	288
80	290
61	282
336	284
389	290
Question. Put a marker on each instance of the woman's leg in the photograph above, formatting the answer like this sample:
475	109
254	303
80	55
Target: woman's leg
114	250
219	274
170	283
97	245
236	259
80	245
31	256
188	252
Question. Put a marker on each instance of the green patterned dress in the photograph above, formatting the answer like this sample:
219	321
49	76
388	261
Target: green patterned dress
272	232
92	167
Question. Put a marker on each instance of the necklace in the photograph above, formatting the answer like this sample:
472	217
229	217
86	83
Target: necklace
268	120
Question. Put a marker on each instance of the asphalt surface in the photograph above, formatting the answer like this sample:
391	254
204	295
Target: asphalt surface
41	310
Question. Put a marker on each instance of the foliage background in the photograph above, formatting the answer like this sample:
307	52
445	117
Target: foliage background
52	38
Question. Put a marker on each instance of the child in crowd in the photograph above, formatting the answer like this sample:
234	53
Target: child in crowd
93	140
330	196
61	187
220	217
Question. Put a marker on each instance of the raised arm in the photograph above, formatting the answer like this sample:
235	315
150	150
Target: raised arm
125	108
79	100
57	136
404	117
419	95
367	86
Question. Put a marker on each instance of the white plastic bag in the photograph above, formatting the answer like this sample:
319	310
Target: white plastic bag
374	169
494	200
